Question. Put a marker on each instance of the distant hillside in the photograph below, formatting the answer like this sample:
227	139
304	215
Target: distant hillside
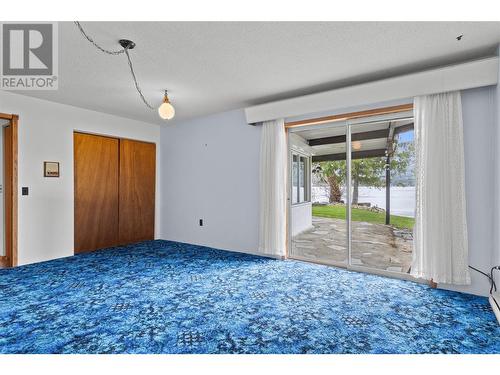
407	177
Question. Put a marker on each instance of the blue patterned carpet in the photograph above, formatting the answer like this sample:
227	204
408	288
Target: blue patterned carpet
167	297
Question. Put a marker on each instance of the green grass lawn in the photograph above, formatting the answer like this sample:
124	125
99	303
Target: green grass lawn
357	214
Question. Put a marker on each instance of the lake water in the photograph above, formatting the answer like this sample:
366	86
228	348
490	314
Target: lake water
402	198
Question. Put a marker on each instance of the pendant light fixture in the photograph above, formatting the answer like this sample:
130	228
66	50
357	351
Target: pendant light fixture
166	109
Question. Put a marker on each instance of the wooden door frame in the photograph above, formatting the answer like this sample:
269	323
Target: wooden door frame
13	256
119	139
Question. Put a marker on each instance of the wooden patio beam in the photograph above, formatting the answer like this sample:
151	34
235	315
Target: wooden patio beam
373	134
355	155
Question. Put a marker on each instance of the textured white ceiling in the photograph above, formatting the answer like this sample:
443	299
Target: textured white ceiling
216	66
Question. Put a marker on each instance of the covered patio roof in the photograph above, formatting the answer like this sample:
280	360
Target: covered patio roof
330	143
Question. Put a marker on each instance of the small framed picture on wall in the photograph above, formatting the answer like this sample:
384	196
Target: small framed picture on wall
51	169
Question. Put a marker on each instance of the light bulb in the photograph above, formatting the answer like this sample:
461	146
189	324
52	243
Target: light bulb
166	110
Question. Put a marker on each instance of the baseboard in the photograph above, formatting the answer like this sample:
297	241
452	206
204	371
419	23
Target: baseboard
495	304
4	261
249	252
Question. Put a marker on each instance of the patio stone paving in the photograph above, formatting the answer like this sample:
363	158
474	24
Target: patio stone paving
373	245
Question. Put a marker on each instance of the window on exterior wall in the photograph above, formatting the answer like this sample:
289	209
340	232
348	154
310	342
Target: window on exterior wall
295	178
300	178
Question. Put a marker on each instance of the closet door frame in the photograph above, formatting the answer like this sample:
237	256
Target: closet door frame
120	139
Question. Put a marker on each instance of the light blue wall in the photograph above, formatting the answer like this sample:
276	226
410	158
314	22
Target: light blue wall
211	172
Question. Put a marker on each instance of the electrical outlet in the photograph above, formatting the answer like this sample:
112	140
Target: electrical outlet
201	222
24	190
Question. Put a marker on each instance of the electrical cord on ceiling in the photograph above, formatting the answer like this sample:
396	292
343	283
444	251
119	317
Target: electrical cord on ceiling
117	52
86	36
135	81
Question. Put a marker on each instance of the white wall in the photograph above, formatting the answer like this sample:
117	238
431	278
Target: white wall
46	133
300	214
210	171
301	218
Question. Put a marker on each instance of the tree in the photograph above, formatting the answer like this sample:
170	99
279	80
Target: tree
333	173
364	172
367	172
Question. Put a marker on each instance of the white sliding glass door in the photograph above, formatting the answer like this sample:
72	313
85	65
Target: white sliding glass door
356	209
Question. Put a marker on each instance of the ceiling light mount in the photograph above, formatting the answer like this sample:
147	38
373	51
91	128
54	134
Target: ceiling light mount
126	44
166	110
165	97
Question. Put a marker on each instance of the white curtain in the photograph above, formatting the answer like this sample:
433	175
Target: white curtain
440	235
273	169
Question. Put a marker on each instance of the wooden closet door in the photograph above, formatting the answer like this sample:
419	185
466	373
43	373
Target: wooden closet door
96	191
137	191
